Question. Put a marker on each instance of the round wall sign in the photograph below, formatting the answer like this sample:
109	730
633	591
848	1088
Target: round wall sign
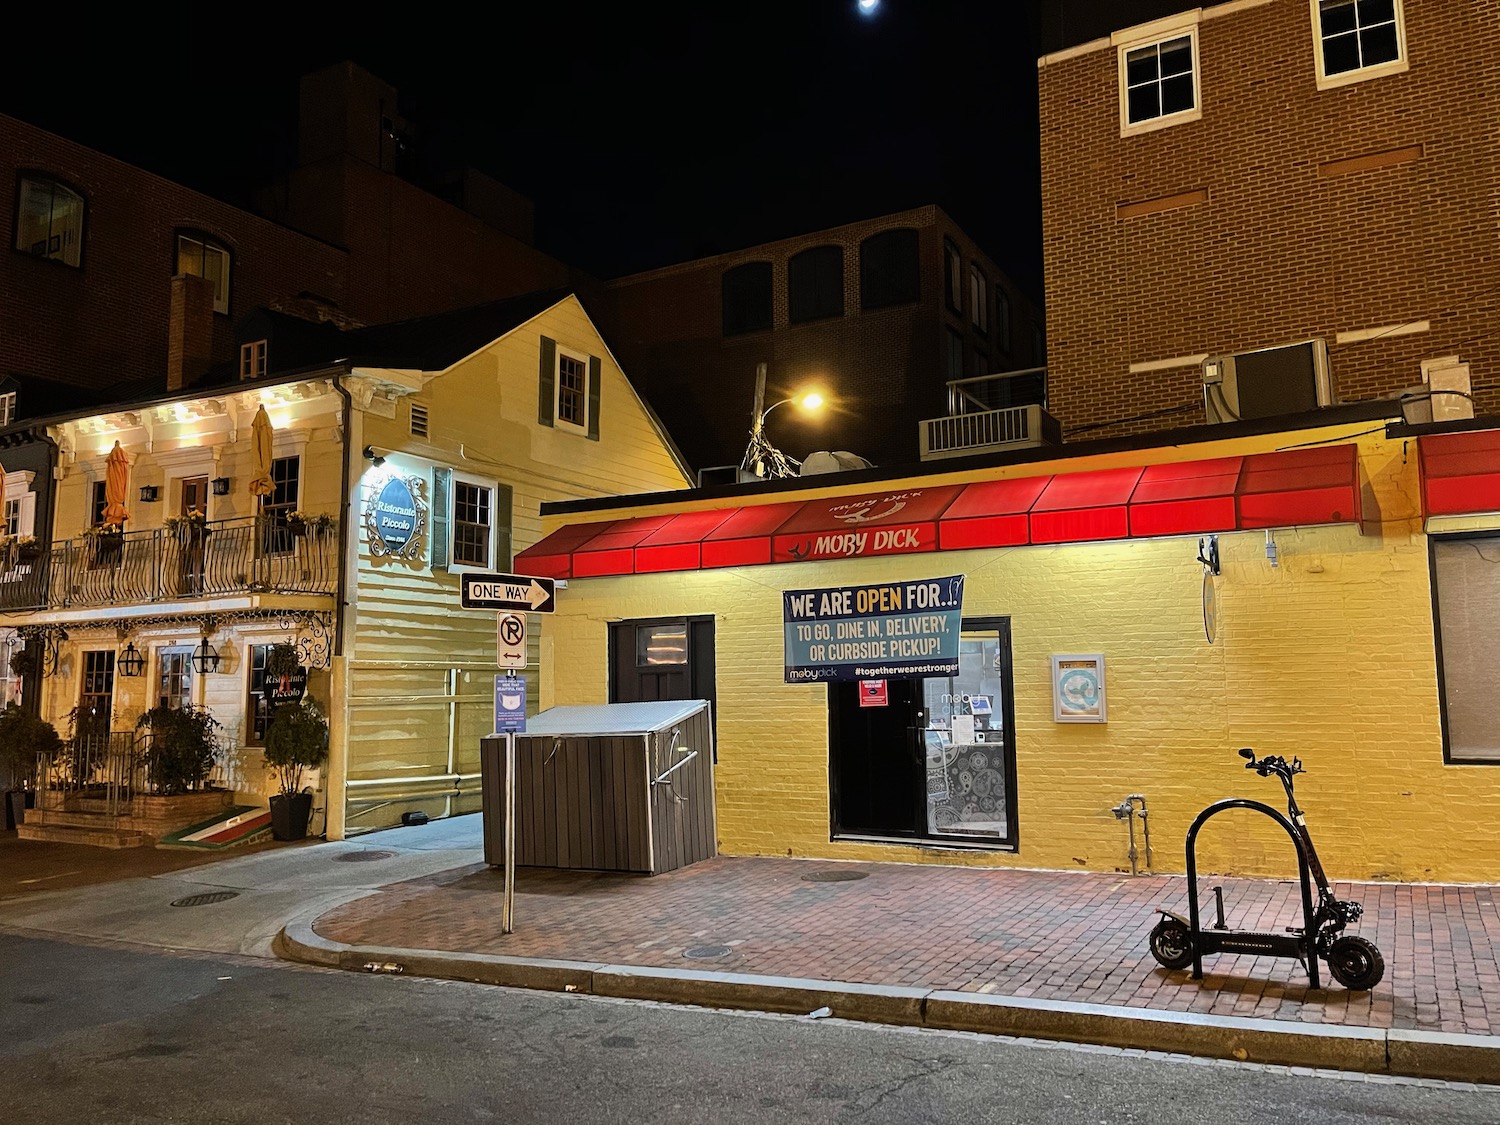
395	517
1210	607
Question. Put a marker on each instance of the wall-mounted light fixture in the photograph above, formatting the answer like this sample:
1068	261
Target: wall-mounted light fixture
131	663
149	493
1208	553
205	658
220	486
374	458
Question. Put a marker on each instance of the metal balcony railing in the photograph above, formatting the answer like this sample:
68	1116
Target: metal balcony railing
255	554
991	412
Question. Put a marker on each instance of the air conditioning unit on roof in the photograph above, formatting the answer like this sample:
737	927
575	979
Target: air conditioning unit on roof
1290	379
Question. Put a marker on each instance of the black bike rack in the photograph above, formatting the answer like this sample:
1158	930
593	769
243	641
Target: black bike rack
1304	948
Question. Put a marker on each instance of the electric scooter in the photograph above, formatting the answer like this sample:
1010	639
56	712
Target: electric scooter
1177	942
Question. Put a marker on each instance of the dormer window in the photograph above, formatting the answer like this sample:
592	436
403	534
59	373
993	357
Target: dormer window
253	359
7	408
49	220
200	256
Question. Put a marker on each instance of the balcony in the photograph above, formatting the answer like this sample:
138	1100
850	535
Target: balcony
250	555
990	413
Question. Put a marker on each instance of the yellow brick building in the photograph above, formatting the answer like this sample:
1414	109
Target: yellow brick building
1324	646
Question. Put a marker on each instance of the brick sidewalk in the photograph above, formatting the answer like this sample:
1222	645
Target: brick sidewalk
1056	936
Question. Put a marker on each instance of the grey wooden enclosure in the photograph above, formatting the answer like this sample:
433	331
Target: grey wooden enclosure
615	787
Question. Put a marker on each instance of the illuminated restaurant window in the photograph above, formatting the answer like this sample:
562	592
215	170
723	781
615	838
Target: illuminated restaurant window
49	220
661	644
200	256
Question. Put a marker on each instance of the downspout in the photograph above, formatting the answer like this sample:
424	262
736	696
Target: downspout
336	795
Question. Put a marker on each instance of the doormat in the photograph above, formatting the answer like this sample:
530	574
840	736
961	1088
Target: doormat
237	825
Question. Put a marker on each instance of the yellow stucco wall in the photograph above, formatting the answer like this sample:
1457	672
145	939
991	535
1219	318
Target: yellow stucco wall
1328	656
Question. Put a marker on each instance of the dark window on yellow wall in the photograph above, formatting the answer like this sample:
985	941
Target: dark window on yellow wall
815	284
747	298
889	269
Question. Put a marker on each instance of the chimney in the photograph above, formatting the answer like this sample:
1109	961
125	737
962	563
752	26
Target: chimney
190	334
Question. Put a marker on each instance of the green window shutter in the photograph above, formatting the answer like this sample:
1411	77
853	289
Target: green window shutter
595	378
547	383
442	498
503	547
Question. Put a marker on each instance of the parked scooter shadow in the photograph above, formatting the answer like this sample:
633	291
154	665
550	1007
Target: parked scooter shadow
1355	962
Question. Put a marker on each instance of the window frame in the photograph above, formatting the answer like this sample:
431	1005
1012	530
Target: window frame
979	299
25	176
456	478
744	270
7	408
953	277
812	309
206	242
1433	542
558	421
1155	34
276	537
253	359
1325	81
177	649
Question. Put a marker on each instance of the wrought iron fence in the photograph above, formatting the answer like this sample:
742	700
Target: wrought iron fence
255	554
102	772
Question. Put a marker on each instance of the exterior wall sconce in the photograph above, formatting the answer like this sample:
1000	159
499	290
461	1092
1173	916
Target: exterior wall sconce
149	493
374	458
220	486
205	658
131	663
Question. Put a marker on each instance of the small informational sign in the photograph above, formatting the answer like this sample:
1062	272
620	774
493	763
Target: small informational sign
510	640
963	730
873	693
513	592
1078	689
510	704
879	632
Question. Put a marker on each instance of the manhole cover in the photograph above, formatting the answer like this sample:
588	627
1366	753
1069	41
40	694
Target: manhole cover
205	900
707	952
363	857
834	876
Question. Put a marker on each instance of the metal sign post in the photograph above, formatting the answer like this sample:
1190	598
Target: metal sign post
508	906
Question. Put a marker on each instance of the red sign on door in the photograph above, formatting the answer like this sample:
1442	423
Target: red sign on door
872	693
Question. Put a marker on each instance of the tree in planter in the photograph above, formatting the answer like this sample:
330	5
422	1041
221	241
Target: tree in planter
23	736
184	747
296	741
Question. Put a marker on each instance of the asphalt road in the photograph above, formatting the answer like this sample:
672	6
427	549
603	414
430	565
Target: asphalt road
118	1035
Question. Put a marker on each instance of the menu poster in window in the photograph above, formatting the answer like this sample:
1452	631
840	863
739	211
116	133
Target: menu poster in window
1078	689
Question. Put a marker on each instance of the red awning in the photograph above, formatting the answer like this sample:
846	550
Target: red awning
992	513
1316	485
1191	497
1299	486
1076	507
1460	472
900	522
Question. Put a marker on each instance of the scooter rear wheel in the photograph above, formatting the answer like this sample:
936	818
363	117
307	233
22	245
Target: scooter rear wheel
1355	963
1172	944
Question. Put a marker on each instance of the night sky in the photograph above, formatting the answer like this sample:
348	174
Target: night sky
646	133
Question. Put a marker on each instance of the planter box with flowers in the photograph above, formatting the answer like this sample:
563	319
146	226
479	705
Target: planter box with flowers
301	524
106	541
28	549
191	528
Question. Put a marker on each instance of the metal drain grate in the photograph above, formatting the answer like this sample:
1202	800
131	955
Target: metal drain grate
207	899
363	856
707	952
834	876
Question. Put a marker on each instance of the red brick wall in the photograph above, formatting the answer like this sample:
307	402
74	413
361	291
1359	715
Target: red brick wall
884	369
1288	244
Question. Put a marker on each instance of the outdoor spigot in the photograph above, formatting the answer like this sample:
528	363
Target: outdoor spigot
1123	810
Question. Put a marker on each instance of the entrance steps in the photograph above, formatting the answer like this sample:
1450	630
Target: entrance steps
94	836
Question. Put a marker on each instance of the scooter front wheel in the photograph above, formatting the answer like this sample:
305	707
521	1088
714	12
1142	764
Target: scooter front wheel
1172	944
1355	963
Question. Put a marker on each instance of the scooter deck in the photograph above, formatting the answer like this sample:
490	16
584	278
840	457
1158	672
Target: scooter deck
1249	941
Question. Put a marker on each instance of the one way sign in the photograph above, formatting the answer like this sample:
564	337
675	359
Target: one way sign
514	592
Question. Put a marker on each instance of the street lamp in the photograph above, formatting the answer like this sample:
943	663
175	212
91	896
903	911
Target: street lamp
761	457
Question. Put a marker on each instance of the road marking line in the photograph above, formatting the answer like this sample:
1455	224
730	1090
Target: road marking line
44	878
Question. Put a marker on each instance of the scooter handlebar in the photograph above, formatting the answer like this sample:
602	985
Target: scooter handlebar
1271	763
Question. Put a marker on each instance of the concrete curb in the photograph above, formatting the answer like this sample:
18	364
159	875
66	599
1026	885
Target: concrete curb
1411	1054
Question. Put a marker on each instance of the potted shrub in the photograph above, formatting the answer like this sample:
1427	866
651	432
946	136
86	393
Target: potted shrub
184	747
23	736
281	661
296	523
296	741
28	549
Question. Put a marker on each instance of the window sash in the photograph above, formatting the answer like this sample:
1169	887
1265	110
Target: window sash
572	390
1159	79
472	522
49	221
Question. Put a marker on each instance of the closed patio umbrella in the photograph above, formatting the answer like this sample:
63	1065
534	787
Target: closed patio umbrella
116	474
261	483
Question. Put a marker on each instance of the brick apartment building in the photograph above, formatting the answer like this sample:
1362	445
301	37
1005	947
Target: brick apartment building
877	314
1266	172
87	291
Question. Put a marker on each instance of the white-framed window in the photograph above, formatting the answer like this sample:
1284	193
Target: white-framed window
470	522
1158	74
49	220
572	404
7	408
1357	39
200	256
979	298
253	359
174	676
